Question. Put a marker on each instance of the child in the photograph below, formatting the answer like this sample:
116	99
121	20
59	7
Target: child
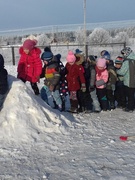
52	79
63	82
101	80
110	86
3	81
127	70
119	91
83	97
30	65
75	79
91	83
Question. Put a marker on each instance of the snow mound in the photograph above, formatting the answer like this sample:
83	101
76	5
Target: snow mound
25	116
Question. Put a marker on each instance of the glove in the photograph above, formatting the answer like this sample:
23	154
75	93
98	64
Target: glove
51	87
113	87
92	88
83	87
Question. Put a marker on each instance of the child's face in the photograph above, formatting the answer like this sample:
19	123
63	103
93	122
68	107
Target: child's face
45	62
100	68
118	66
26	51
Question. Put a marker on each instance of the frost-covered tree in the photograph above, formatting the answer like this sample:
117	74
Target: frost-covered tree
43	40
121	37
79	36
99	36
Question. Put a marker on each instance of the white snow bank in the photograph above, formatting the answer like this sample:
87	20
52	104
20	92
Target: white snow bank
24	116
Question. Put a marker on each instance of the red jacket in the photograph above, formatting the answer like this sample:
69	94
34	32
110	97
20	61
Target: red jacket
75	76
30	65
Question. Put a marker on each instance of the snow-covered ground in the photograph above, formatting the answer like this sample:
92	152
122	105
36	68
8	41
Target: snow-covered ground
38	142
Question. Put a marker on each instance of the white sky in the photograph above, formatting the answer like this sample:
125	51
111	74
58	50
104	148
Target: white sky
28	13
38	142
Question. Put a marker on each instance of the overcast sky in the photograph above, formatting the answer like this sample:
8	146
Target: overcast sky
17	14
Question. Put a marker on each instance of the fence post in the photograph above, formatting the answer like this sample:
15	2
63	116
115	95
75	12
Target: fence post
13	55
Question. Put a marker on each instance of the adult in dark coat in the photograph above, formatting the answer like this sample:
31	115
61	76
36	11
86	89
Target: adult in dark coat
3	81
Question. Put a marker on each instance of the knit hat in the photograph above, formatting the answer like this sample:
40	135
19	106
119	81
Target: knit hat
106	55
92	57
78	51
47	55
101	62
126	51
29	44
119	60
70	57
47	49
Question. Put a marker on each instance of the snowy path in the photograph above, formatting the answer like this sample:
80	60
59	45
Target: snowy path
89	149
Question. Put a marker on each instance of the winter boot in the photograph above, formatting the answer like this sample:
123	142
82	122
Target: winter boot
74	106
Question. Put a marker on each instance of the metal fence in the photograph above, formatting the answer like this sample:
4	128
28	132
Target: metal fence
11	53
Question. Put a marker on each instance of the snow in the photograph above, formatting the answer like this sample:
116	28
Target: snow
38	142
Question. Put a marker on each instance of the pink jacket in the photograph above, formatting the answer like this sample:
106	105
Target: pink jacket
102	76
30	66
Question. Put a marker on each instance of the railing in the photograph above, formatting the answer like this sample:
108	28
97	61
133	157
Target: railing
95	49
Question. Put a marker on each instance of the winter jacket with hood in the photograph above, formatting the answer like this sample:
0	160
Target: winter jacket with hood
30	65
52	73
3	77
75	76
127	70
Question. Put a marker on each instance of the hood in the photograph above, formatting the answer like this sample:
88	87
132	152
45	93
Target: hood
79	59
131	56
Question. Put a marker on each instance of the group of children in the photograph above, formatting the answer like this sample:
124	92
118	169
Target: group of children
92	84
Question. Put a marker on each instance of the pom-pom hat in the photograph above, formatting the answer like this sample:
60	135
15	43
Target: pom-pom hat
70	57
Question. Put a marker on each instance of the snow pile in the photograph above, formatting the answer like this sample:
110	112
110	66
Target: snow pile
24	115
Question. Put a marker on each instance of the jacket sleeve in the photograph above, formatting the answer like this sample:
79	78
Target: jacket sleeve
38	67
112	76
124	68
92	77
81	74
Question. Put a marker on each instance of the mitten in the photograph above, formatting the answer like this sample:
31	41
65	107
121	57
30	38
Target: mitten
83	87
100	82
113	87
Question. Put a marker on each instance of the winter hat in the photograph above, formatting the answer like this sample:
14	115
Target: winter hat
1	62
29	44
119	60
78	51
47	49
47	56
126	51
106	55
92	57
101	62
70	57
